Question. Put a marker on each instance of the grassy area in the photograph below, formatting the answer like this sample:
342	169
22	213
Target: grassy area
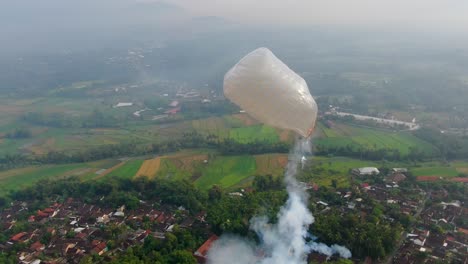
226	171
168	169
127	170
342	135
445	172
213	125
273	164
24	177
254	133
239	127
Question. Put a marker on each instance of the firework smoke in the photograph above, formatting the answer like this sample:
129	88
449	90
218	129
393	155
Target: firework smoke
284	242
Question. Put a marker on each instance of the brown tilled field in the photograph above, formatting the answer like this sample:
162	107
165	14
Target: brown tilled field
43	147
186	161
149	168
271	163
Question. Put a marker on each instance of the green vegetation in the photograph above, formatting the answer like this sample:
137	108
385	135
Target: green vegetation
127	170
226	171
254	133
323	171
169	170
20	178
436	171
342	135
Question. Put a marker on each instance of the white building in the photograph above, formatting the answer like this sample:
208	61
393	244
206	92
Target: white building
366	171
122	105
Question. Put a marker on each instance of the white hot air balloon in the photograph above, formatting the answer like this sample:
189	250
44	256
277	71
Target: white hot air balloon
271	92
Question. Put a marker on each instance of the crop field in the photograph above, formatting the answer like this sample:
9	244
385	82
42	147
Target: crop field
461	167
322	170
245	119
183	165
226	171
341	135
239	127
446	172
212	125
273	164
149	168
254	133
127	170
19	178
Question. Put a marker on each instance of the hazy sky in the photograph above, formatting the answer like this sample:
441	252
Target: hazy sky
413	14
428	15
42	24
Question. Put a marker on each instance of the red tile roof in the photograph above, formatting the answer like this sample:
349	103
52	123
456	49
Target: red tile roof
18	236
203	250
161	218
427	178
42	214
49	210
81	235
37	246
95	243
100	247
173	111
462	230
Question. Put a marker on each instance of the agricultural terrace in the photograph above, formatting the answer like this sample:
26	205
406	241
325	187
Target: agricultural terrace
208	168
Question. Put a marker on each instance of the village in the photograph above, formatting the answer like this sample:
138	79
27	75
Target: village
65	232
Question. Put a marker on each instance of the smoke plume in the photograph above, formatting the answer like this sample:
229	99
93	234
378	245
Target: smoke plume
285	241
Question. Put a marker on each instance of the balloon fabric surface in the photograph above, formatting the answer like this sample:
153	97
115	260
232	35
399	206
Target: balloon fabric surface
268	90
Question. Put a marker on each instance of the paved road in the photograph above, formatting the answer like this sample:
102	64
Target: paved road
411	126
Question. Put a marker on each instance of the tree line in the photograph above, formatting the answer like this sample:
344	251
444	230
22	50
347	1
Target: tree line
189	140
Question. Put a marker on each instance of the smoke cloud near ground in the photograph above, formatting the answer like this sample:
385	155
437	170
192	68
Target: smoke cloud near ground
283	242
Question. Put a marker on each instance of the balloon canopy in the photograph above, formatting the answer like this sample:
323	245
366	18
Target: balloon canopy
271	92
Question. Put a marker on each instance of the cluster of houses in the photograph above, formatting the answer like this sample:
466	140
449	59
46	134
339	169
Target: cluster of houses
436	238
66	232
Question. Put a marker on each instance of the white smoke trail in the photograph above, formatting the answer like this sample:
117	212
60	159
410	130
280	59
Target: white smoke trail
284	242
